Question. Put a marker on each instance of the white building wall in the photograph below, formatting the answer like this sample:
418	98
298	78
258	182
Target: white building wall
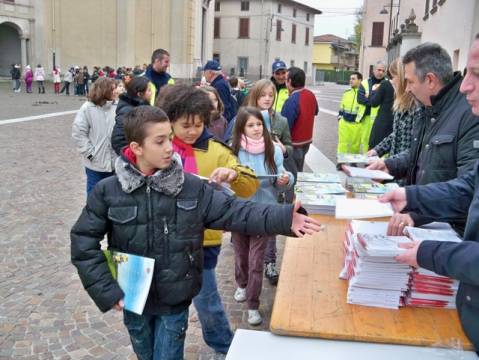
262	48
285	49
453	26
369	55
230	47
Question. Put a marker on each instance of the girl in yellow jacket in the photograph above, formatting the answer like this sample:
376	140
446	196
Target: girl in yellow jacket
189	109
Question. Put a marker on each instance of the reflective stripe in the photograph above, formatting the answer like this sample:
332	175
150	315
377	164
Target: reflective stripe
362	108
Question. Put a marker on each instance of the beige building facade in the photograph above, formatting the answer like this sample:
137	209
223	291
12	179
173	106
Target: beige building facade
106	32
450	23
250	35
381	18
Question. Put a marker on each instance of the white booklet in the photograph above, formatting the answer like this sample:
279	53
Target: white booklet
368	174
362	209
134	275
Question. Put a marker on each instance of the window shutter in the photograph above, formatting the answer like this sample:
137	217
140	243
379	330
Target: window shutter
244	28
217	28
378	34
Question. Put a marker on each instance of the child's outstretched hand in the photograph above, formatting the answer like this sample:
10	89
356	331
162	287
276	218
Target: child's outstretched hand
222	174
303	224
283	179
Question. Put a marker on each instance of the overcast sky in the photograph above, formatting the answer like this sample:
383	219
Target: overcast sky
337	17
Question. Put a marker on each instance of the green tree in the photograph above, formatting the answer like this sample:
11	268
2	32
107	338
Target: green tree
358	28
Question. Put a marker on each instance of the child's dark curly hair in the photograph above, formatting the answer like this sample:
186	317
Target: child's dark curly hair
180	101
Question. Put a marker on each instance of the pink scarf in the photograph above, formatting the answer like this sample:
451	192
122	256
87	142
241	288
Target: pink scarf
187	155
252	146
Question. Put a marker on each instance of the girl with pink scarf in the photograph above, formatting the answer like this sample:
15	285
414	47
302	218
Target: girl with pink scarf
253	145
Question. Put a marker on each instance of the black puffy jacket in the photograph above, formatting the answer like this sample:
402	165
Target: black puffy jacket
125	105
139	219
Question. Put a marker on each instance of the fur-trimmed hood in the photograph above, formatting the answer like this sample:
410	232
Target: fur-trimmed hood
168	181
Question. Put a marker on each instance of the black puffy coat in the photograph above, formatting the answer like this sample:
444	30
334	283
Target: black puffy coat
125	105
140	220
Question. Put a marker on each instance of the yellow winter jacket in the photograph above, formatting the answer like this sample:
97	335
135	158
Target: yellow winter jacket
212	154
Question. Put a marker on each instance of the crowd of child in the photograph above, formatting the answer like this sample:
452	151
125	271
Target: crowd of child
142	164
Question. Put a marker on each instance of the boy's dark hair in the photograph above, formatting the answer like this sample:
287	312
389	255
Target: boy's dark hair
430	58
159	54
139	119
358	75
185	101
137	85
297	77
233	81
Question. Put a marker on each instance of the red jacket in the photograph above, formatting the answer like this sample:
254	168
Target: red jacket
300	109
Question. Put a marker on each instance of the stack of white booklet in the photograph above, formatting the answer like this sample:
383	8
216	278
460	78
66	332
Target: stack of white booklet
375	277
318	192
318	203
318	177
320	188
428	289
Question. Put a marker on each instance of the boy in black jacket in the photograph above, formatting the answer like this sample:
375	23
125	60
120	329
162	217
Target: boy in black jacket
151	208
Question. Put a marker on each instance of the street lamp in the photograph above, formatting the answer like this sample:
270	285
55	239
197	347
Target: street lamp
384	11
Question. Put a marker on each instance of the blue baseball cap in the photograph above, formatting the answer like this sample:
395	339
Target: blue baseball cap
212	65
278	65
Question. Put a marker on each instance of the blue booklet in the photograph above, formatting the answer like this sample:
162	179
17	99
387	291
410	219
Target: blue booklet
134	275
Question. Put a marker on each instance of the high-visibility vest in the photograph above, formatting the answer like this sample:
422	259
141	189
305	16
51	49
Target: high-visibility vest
281	97
349	107
152	86
362	108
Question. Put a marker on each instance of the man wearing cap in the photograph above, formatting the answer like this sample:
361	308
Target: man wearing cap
279	80
213	75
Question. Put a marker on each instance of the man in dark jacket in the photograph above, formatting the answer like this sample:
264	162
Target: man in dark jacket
441	147
448	201
156	72
151	208
213	75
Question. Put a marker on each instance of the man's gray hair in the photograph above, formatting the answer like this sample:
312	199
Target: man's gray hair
430	58
379	62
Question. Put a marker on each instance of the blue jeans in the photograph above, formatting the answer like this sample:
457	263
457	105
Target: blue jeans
214	323
160	337
299	153
92	177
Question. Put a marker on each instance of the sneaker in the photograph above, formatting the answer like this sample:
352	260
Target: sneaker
254	317
240	294
271	273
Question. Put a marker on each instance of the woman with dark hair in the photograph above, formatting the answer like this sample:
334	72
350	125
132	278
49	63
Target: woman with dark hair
137	93
92	132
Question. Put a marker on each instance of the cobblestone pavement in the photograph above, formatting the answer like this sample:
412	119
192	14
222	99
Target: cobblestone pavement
44	311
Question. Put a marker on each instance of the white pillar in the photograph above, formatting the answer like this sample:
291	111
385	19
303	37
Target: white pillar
23	50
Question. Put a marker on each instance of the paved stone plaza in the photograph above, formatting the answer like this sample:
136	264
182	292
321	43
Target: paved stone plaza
44	311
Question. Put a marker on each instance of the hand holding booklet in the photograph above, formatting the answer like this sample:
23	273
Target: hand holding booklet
366	173
134	275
